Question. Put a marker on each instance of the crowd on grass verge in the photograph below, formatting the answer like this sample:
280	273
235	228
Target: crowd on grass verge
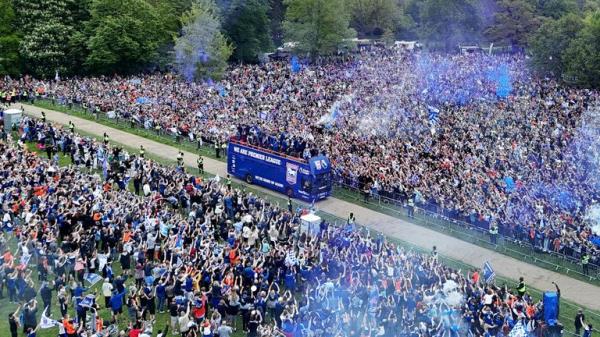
475	137
216	260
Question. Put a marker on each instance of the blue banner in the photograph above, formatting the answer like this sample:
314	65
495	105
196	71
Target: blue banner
488	272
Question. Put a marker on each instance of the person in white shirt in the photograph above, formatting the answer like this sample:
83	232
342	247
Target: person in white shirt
107	289
184	321
225	330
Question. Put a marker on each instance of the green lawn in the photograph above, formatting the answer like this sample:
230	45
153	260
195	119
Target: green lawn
568	309
506	247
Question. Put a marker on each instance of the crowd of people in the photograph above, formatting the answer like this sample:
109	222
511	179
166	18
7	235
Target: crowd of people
209	259
444	132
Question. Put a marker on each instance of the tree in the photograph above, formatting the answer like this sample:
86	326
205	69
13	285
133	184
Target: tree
124	36
374	17
555	8
549	42
247	26
202	51
582	57
9	40
317	27
448	23
513	24
276	15
47	26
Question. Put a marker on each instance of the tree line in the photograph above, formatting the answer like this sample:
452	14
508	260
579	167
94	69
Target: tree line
199	38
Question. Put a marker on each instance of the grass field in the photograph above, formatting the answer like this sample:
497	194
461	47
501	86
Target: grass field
568	309
507	247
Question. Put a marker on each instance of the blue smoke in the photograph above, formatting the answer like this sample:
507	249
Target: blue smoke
501	78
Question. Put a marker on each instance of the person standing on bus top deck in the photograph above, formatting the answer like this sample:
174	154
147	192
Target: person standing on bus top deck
71	127
228	182
217	149
142	151
289	205
105	139
200	162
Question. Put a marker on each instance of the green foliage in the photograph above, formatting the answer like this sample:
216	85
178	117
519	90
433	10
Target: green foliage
513	24
448	23
373	18
9	40
46	27
202	51
317	27
124	36
582	57
247	26
9	55
276	16
548	44
555	8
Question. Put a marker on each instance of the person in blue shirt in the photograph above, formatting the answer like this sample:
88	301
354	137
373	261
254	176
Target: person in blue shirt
31	332
161	294
116	303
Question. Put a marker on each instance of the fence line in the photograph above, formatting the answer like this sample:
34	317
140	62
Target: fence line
436	220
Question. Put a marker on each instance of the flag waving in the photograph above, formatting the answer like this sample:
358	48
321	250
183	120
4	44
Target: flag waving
518	330
45	322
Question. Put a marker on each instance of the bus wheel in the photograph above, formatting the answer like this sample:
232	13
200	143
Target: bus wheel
249	178
289	192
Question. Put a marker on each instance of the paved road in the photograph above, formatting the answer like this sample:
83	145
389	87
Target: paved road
577	291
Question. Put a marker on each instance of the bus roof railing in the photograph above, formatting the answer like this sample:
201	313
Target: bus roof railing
280	154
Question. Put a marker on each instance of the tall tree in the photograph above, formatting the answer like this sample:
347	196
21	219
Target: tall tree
124	36
555	8
9	40
202	51
514	23
276	15
549	42
448	23
247	25
47	26
372	18
317	27
582	57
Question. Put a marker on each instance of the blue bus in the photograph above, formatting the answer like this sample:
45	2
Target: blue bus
309	180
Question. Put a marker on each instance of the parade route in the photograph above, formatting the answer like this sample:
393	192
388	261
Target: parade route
573	290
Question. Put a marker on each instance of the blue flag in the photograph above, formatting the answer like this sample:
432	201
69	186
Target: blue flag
295	65
488	272
510	184
433	114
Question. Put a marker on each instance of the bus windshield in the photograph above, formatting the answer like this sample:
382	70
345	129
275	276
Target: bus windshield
322	181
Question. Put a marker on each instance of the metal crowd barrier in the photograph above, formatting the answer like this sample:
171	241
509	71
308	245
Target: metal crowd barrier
466	231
